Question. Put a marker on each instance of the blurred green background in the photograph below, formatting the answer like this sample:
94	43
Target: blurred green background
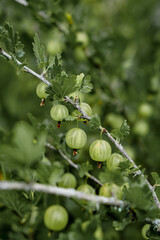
117	42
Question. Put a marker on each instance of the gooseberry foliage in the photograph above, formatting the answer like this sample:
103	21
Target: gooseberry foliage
112	56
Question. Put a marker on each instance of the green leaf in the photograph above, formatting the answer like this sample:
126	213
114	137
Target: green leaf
62	86
15	201
11	40
125	129
139	197
39	52
121	133
126	168
95	122
26	148
70	118
156	177
54	65
84	168
108	176
85	84
116	133
56	174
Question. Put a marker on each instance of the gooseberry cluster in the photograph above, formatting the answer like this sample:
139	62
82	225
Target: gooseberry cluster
56	217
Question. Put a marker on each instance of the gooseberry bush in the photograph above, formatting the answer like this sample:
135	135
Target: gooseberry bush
71	130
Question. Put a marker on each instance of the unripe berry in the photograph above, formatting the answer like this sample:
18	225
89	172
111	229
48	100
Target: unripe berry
85	188
40	90
56	218
114	160
85	108
76	138
100	150
141	128
145	110
111	190
68	181
58	113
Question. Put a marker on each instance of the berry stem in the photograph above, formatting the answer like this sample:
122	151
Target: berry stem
42	102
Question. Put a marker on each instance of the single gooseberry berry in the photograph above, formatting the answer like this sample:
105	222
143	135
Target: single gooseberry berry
56	218
114	160
41	92
111	190
141	128
68	181
76	138
58	113
85	108
100	150
86	188
145	110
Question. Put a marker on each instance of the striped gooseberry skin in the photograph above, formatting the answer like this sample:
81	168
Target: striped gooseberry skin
40	90
68	181
111	190
114	160
85	108
100	150
59	112
86	188
76	138
56	218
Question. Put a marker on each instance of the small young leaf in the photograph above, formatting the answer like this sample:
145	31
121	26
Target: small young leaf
121	133
125	129
156	177
70	118
39	52
95	122
86	85
11	40
84	168
62	85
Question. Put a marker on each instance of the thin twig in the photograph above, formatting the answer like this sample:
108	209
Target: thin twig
22	2
7	185
76	166
26	69
76	105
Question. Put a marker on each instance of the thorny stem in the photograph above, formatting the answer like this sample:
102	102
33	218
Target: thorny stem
85	116
76	166
8	185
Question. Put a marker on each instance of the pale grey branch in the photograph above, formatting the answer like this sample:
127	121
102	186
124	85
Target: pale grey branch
76	166
22	2
6	185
